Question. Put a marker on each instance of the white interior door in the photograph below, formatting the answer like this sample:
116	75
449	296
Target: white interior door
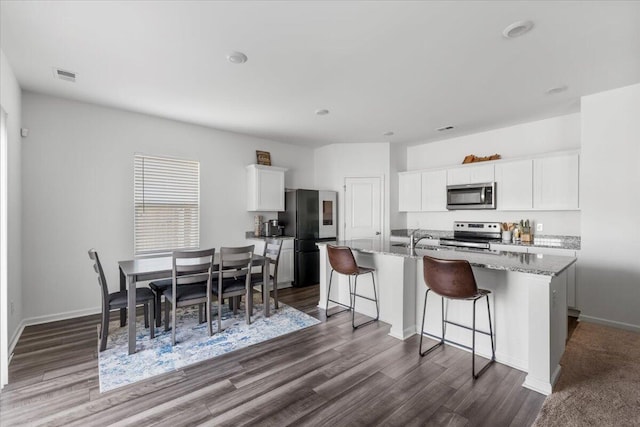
363	208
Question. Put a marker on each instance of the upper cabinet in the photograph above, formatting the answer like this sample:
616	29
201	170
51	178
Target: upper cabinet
434	191
265	188
514	185
545	182
556	182
409	191
422	191
470	174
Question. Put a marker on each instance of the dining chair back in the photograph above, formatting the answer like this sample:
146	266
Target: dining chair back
272	249
117	300
234	279
191	284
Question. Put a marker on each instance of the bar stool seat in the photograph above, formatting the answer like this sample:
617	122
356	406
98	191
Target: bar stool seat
343	262
454	279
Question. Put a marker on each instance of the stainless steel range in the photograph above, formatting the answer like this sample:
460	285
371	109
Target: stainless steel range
477	235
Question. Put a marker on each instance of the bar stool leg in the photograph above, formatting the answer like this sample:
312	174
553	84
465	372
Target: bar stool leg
424	313
326	309
353	305
493	350
375	296
473	341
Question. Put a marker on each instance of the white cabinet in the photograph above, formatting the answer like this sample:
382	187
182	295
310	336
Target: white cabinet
470	174
285	264
422	191
434	191
409	191
514	185
555	182
265	188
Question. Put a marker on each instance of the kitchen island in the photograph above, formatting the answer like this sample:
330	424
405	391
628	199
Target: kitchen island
528	301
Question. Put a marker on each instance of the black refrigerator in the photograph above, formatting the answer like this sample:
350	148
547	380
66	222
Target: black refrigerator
305	218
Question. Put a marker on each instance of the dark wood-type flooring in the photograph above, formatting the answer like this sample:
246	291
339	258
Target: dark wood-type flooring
323	375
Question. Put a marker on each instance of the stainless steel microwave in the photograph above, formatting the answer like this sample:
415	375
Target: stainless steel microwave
471	196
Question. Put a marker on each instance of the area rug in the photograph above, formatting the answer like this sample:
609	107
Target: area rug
193	344
600	380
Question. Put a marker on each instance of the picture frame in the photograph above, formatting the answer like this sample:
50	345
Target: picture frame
263	157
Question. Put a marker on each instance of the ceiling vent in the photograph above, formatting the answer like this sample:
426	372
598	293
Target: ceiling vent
69	76
444	128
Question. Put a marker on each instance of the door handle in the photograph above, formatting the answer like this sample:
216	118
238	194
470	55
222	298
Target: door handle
377	233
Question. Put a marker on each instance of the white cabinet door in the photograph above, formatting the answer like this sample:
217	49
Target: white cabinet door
514	185
434	191
285	266
555	182
471	174
265	188
410	193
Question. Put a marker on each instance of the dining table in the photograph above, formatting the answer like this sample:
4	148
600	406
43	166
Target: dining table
160	267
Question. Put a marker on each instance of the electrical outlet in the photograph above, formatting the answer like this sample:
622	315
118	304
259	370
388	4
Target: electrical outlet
539	226
12	308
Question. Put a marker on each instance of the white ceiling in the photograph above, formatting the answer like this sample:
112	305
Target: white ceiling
406	67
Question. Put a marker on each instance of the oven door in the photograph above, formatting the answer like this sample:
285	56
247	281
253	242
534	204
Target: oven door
471	196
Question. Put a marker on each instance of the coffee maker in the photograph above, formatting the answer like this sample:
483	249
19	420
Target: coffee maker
272	228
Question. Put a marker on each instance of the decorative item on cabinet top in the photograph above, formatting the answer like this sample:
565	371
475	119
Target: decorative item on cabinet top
263	157
471	158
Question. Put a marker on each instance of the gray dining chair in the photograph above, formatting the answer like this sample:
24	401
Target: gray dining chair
234	279
272	249
191	284
116	300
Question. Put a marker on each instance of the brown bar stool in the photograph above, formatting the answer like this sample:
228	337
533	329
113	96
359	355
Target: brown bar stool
454	279
342	260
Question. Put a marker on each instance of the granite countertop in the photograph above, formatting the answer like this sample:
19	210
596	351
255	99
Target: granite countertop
545	265
539	241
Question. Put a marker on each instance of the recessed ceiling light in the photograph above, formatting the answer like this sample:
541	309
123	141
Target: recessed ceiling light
389	133
557	89
444	128
322	112
517	29
237	58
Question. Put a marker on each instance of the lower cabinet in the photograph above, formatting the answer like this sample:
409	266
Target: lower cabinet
285	264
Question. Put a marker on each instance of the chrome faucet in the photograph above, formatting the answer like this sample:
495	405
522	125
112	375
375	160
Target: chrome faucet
413	240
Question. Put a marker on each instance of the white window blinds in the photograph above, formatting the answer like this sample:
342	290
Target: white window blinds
166	204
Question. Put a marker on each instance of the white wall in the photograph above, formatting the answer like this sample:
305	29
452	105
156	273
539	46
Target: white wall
10	99
333	163
555	134
78	192
609	263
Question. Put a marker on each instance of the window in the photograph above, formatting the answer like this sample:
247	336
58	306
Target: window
166	204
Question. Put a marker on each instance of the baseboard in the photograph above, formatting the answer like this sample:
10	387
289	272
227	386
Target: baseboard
611	323
30	321
14	339
541	386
